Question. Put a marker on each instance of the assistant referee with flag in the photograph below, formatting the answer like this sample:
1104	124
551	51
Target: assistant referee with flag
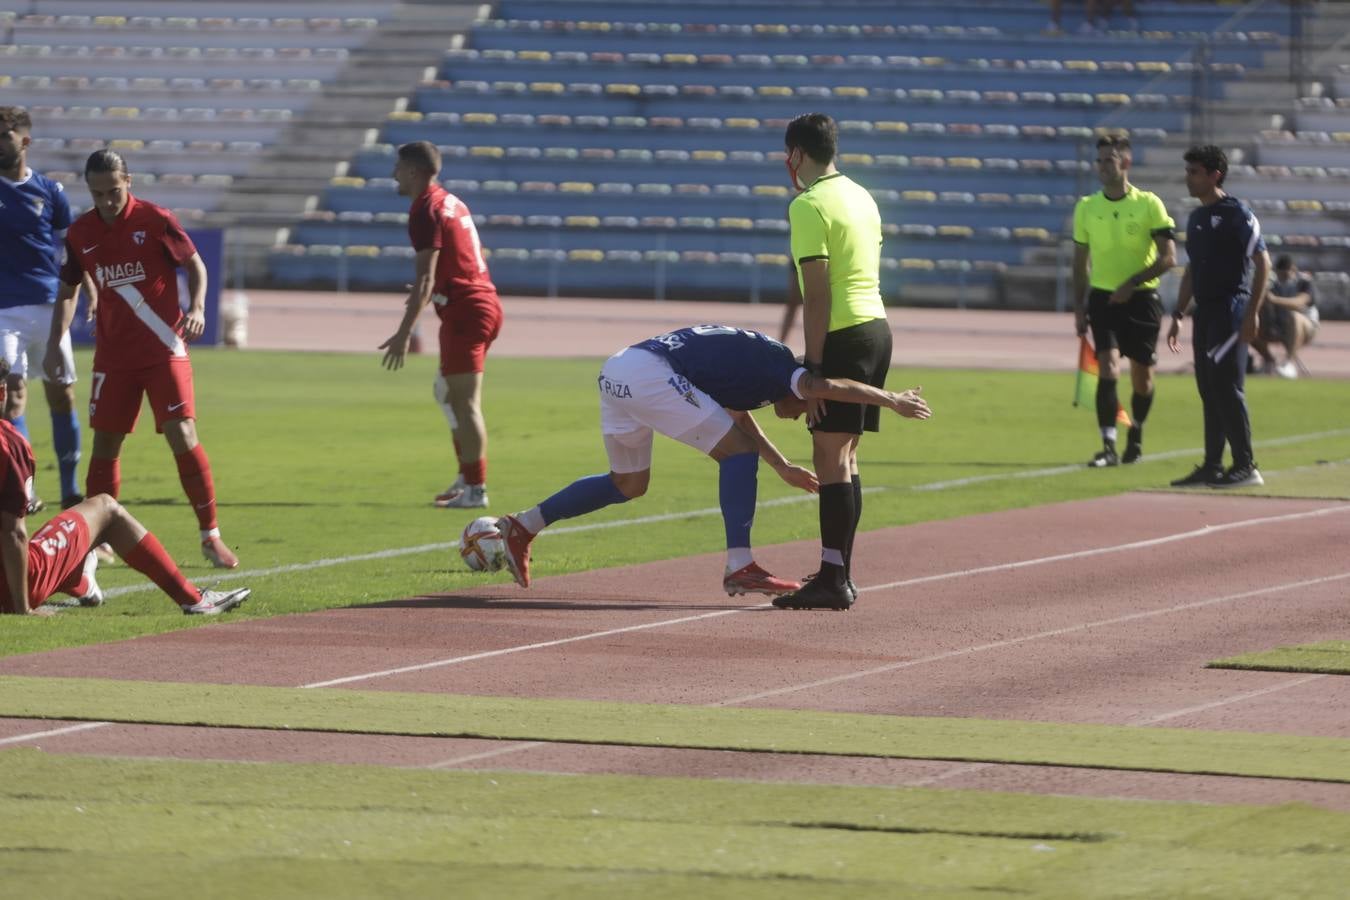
1129	240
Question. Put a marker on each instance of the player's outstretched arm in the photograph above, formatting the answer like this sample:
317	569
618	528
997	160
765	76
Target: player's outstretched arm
795	475
419	295
909	404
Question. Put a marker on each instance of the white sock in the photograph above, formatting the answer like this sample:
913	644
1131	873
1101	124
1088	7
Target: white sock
834	557
1109	434
532	519
208	533
738	558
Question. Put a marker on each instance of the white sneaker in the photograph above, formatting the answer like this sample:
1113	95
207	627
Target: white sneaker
452	492
93	596
213	603
1287	369
474	496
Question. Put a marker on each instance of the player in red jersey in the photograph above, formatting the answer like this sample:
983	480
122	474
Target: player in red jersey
452	274
59	559
132	249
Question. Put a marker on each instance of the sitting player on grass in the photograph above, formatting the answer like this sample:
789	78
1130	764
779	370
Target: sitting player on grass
697	385
59	558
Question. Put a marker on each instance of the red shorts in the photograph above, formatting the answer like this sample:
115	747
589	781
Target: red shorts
468	328
115	397
55	557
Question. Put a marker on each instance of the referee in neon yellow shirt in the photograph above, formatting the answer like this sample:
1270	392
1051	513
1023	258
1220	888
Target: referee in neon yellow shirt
1129	239
836	248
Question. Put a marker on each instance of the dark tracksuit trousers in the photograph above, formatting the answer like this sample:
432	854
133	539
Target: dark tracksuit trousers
1220	376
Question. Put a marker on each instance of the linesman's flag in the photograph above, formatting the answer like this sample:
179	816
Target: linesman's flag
1085	386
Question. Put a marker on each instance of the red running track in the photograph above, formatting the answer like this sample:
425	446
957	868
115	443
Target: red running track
1101	611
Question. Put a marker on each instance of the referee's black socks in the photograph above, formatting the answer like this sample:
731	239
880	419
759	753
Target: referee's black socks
1140	404
837	521
1108	402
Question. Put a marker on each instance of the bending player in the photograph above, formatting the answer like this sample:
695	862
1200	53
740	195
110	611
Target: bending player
131	249
59	558
697	385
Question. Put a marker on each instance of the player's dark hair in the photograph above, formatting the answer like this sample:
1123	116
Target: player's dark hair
15	118
1211	157
815	134
1284	262
109	161
1117	142
4	368
422	155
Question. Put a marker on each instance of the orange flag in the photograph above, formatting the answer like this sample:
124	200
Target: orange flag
1085	386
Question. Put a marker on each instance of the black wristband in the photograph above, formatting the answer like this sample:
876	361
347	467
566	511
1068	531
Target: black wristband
1178	315
813	368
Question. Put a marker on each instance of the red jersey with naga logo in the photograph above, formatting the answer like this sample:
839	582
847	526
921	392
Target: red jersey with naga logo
438	220
134	263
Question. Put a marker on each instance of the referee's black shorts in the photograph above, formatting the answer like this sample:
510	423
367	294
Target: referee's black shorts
861	352
1131	327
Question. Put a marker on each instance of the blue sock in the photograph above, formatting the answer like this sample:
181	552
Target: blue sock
585	495
21	423
737	486
66	441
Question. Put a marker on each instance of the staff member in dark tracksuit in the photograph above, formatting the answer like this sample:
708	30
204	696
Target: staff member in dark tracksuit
1226	277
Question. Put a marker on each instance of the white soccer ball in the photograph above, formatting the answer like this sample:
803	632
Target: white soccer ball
482	547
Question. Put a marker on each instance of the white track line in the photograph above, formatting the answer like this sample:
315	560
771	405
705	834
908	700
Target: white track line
963	573
35	735
1206	531
970	768
1040	635
691	514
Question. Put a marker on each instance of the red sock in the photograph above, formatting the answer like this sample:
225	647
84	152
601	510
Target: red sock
475	472
104	477
194	471
151	559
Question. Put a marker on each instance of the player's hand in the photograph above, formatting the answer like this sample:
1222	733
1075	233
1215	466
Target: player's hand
192	326
394	350
910	404
1121	294
1173	334
1080	321
1250	326
91	310
53	366
815	411
43	611
800	478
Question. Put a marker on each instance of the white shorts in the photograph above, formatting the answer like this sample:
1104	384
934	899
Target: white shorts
640	394
23	341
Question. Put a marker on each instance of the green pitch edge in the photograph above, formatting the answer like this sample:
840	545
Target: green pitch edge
87	827
690	727
1327	658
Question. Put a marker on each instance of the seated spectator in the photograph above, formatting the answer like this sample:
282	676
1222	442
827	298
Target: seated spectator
1091	22
1288	317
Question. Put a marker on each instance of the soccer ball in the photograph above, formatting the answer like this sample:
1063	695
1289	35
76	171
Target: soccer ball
482	547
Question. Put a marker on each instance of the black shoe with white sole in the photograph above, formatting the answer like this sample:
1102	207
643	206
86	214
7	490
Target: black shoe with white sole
1238	477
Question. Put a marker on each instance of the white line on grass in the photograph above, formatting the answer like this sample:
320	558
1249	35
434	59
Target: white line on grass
1152	457
1185	535
443	546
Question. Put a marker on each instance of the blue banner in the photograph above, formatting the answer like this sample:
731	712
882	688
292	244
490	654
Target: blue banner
211	248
